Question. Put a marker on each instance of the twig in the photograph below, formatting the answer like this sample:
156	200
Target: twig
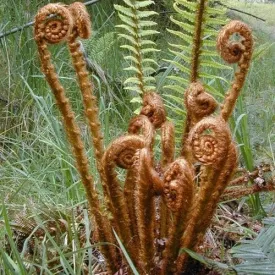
17	29
241	11
247	176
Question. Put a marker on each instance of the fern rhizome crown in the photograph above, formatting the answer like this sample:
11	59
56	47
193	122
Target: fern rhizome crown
161	207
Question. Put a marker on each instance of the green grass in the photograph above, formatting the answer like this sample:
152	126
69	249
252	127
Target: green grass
254	116
264	11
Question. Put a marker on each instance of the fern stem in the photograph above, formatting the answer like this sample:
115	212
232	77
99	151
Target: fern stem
197	42
53	31
138	56
73	133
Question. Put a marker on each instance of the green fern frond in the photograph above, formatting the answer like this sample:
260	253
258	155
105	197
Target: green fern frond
99	48
258	254
195	30
217	267
137	30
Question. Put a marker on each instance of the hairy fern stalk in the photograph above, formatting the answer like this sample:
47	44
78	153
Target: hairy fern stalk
137	26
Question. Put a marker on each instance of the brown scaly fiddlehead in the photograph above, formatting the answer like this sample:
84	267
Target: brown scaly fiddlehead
235	52
145	206
199	104
82	29
120	154
210	143
153	108
53	24
142	125
178	194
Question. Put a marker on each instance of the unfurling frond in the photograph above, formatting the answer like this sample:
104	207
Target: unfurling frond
137	31
196	24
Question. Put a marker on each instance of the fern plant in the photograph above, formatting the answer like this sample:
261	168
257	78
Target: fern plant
159	207
258	255
137	26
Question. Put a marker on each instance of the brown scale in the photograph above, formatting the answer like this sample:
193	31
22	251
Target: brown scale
154	109
199	104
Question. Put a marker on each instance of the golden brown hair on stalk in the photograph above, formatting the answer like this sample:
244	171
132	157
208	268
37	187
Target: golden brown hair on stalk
197	40
179	191
54	23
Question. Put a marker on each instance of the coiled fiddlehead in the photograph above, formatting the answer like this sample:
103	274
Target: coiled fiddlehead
211	143
53	24
235	52
199	104
120	153
177	182
209	140
178	194
153	108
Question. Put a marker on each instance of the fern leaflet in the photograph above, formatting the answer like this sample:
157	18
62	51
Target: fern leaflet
136	25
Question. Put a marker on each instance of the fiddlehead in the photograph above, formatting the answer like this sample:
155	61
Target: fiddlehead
54	24
199	104
209	140
120	153
235	52
178	194
210	143
178	185
154	109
